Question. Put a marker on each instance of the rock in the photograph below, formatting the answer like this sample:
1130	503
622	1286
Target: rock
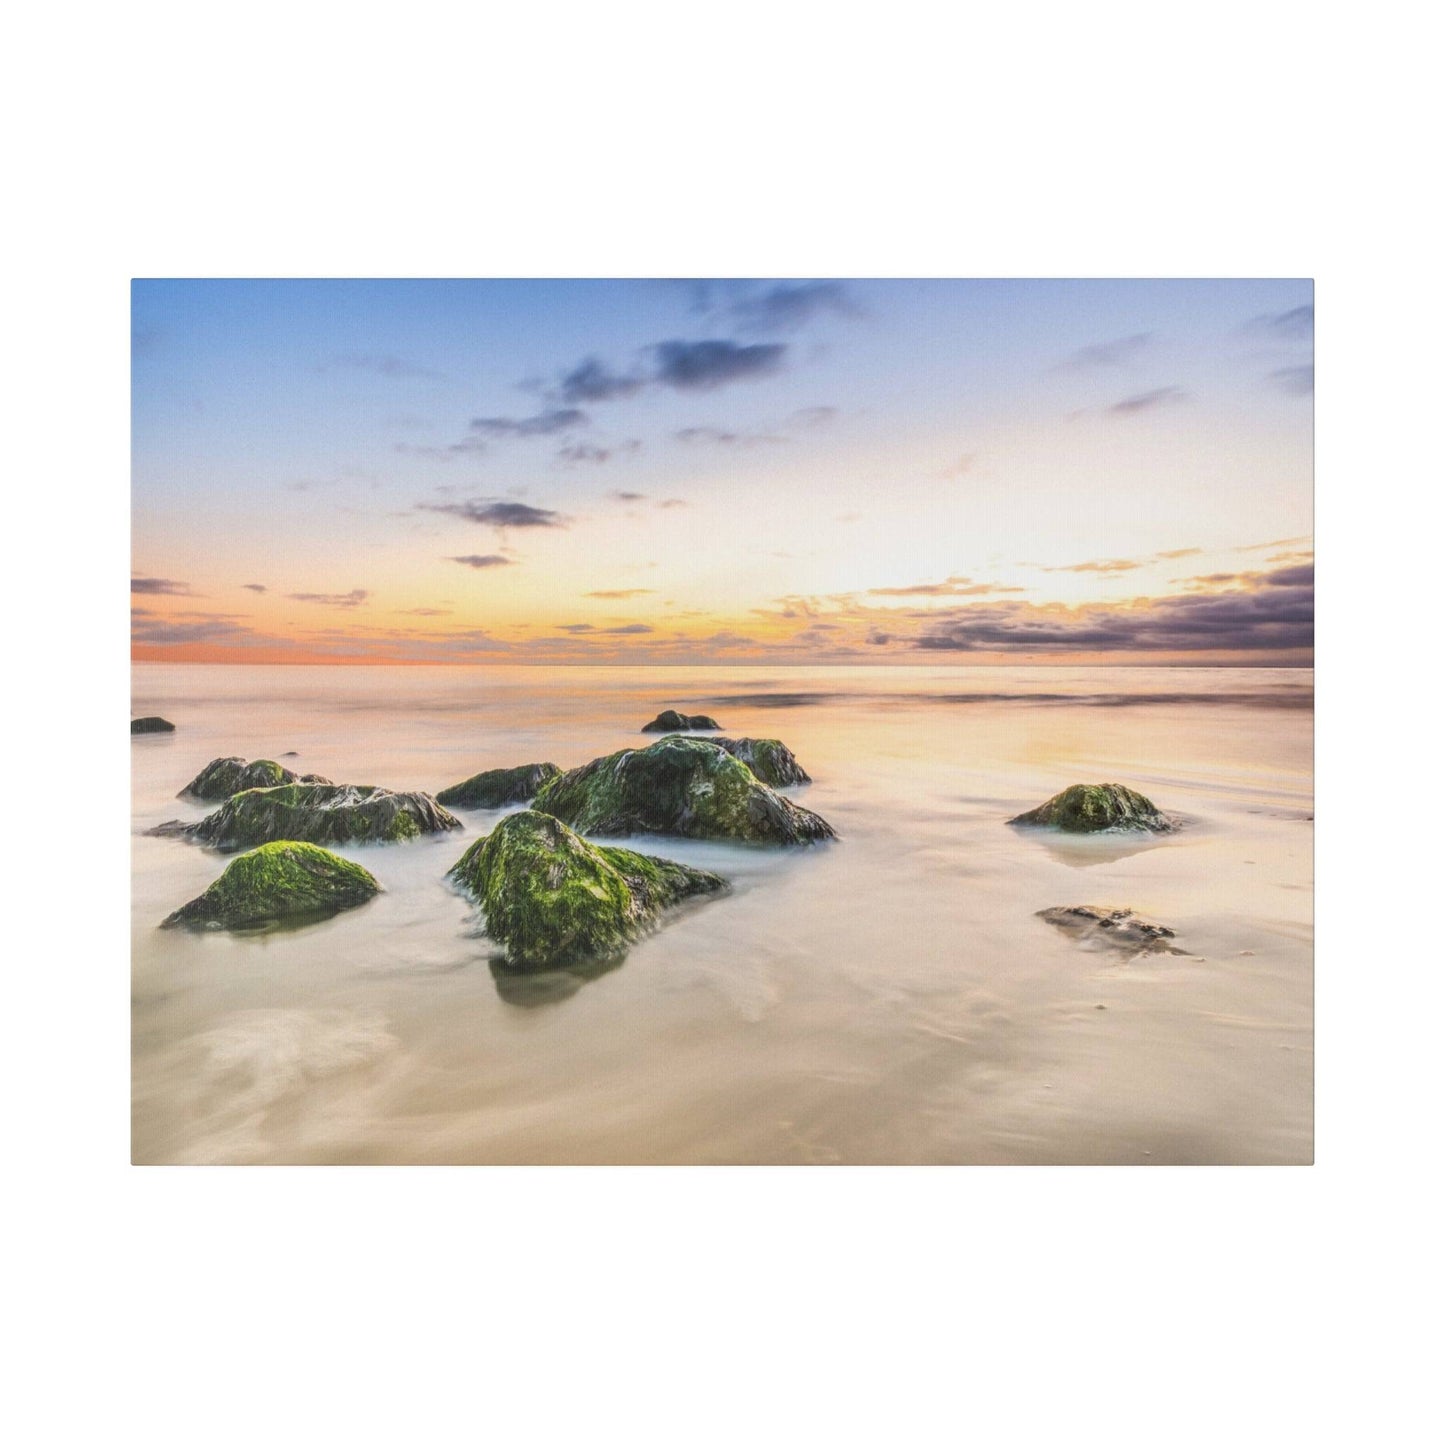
1098	808
500	786
772	763
315	813
278	881
1121	928
680	722
223	777
688	787
552	899
151	725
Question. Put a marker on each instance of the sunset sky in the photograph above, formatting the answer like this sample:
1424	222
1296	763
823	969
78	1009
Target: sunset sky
740	471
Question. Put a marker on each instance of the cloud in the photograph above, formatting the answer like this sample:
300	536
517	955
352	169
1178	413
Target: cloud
382	366
1296	324
1179	552
490	512
159	586
951	587
425	612
161	632
591	381
492	559
628	496
718	437
1108	353
617	594
253	587
575	627
811	416
706	365
544	424
1117	564
632	629
353	598
789	306
1148	400
1296	380
667	503
587	452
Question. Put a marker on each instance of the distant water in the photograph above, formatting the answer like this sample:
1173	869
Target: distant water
890	998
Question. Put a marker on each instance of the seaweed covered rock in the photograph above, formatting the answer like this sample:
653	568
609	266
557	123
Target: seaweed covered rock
224	777
688	787
151	725
552	899
315	813
681	722
278	881
499	786
772	762
1121	928
1098	808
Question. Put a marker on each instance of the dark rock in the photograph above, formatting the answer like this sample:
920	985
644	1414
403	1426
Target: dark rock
688	787
1098	808
552	899
315	813
773	763
500	786
680	722
274	882
151	725
223	777
1120	928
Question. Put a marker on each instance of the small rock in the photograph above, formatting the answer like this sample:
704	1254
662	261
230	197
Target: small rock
151	725
1098	808
222	778
500	786
1118	928
678	722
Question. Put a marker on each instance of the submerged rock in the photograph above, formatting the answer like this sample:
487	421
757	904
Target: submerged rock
151	725
1119	928
688	787
315	813
500	786
772	762
681	722
224	777
278	881
1098	808
552	899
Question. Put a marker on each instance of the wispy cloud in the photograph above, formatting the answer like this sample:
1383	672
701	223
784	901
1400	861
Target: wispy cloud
354	598
588	452
393	366
1296	380
1116	564
253	587
791	305
1108	353
718	436
159	586
490	512
616	594
950	587
543	424
1149	400
490	559
1296	324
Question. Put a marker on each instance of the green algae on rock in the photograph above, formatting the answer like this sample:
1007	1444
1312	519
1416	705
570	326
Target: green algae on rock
772	762
499	786
224	777
552	899
1098	808
680	722
315	813
151	725
274	882
688	787
1119	928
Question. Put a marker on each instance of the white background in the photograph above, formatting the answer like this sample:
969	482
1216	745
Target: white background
781	140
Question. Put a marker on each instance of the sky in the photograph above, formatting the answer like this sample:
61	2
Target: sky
688	471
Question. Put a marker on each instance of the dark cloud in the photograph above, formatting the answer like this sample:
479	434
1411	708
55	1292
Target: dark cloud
705	365
159	586
628	496
619	593
632	629
1296	380
1148	400
491	559
1108	353
1296	324
951	587
493	513
544	424
382	366
353	598
1303	576
791	305
163	633
592	381
587	452
253	587
575	627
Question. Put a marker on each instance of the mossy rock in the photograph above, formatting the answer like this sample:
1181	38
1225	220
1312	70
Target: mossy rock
772	762
275	882
224	777
552	899
687	787
681	722
315	813
151	725
1098	808
500	786
1096	928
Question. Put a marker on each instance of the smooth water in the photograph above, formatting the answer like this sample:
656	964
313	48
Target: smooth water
889	998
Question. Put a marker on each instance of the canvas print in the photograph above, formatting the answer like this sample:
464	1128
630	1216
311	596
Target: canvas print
754	721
